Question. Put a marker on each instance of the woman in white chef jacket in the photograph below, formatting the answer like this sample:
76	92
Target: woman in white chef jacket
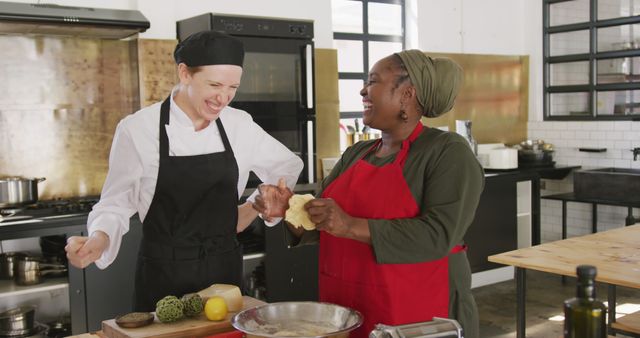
181	164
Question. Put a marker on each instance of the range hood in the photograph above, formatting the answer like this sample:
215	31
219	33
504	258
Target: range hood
49	19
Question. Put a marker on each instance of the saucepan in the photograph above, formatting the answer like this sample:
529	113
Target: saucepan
18	191
20	319
29	270
8	260
297	319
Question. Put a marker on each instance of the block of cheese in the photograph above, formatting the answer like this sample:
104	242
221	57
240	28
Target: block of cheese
230	293
296	215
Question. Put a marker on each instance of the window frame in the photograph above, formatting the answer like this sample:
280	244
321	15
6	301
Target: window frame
365	38
592	88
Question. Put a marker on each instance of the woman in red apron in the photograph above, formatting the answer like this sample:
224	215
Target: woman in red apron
393	212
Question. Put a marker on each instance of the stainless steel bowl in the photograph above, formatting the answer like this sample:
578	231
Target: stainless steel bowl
297	319
17	319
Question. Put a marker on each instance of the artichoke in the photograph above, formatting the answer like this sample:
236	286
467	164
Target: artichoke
193	304
169	309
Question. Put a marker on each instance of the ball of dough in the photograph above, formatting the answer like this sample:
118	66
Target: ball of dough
296	215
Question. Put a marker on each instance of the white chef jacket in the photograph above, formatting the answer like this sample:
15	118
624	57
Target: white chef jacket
134	162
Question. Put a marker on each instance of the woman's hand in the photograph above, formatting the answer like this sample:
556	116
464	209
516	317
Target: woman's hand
82	251
273	201
329	216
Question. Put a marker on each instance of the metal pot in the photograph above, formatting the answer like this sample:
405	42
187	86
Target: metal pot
8	260
532	144
18	191
17	319
28	271
535	156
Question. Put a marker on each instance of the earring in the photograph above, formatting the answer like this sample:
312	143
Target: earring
403	115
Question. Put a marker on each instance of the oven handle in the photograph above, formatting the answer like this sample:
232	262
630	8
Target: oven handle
308	63
310	160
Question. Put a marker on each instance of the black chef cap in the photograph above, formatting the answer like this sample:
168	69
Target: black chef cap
209	48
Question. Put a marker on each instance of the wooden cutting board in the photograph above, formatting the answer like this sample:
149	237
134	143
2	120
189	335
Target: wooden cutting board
186	327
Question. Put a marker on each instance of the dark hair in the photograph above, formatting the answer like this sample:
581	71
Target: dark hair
193	70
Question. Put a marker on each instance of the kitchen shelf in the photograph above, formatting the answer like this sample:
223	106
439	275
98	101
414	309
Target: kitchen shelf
10	288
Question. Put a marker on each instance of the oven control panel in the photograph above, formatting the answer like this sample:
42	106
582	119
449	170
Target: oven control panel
251	26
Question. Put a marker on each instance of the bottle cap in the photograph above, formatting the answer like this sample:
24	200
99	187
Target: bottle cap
586	271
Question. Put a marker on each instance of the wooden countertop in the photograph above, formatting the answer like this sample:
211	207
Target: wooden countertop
188	327
615	253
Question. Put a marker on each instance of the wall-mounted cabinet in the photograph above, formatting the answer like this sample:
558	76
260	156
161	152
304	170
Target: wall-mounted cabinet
591	59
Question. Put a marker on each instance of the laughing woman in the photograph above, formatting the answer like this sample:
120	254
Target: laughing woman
181	165
392	214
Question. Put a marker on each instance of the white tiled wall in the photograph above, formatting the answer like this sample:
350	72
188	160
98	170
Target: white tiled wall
618	137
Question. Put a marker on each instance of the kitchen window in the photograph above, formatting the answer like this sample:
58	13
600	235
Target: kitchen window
364	31
591	59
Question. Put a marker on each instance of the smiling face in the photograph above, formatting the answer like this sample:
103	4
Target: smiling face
208	90
382	95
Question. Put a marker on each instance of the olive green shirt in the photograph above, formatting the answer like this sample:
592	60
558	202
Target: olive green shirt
446	181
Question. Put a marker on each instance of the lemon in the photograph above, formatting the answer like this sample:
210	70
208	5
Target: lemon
215	308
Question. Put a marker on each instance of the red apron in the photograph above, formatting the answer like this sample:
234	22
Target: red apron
349	275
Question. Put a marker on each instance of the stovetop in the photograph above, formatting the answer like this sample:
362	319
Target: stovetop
61	206
45	210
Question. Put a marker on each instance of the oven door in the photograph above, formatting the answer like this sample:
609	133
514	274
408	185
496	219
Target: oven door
277	90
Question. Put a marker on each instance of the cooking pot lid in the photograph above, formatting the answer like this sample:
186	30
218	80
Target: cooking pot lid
21	178
17	311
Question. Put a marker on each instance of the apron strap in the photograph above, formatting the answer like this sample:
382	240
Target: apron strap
458	248
404	149
164	120
223	135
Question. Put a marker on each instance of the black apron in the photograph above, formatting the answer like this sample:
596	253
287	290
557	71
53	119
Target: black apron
189	234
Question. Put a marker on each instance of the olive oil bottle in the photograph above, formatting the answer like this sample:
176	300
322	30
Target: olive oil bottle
584	315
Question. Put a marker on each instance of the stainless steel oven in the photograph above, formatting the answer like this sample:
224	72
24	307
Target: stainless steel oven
277	86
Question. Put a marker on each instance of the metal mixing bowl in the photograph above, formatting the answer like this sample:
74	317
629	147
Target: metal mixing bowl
297	319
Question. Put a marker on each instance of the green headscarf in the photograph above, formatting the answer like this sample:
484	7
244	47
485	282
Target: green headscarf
437	81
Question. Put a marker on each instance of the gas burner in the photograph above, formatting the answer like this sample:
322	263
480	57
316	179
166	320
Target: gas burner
62	206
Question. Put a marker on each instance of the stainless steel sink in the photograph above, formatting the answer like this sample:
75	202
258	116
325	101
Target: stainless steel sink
612	184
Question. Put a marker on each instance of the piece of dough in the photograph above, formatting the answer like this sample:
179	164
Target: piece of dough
296	215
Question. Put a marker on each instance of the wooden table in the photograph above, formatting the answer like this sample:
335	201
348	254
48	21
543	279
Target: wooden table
615	253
